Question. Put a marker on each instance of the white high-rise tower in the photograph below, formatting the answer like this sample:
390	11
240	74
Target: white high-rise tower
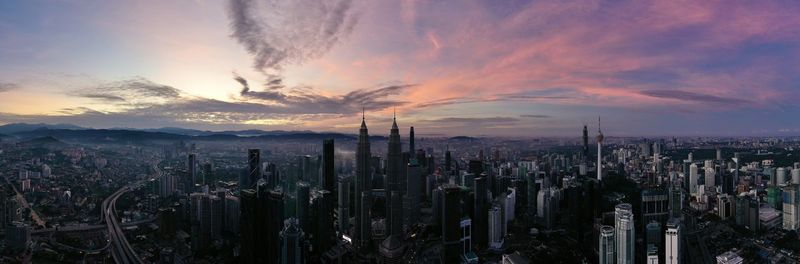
599	151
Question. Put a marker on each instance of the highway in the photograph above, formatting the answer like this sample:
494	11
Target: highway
121	249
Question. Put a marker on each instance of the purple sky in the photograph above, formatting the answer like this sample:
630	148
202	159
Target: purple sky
516	68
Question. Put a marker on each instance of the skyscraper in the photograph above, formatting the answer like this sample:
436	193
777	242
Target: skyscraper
328	169
606	246
362	185
343	216
672	242
393	162
693	178
411	146
191	166
274	223
292	248
791	214
249	226
303	205
599	151
322	224
413	193
254	166
625	233
451	218
585	144
479	223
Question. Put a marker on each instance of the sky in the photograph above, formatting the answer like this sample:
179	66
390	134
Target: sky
477	68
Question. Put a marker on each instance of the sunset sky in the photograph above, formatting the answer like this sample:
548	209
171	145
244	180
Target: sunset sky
506	68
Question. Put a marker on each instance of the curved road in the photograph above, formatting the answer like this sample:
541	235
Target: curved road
121	249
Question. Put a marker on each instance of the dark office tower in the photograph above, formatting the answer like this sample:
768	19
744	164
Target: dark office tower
585	144
328	170
475	167
249	226
292	248
254	168
480	215
413	193
343	216
447	161
274	223
362	185
451	225
411	146
322	225
303	200
191	167
393	162
201	218
396	213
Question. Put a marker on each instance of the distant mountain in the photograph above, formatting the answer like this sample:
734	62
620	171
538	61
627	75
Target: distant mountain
22	127
462	138
46	141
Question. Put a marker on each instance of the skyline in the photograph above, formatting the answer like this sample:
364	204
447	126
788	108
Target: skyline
521	69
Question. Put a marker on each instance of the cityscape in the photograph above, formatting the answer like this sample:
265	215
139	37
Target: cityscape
411	131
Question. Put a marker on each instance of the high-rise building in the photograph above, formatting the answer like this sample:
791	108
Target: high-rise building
328	169
672	242
693	178
274	219
653	234
411	143
480	213
625	233
467	254
191	166
605	248
343	215
202	218
393	162
362	232
791	212
322	225
167	184
495	227
18	236
303	205
710	176
447	161
232	217
599	151
413	193
781	175
396	213
292	243
655	205
795	176
254	166
250	227
585	151
451	217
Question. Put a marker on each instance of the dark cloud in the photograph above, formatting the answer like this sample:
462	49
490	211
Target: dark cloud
7	86
535	116
104	97
136	90
306	100
692	96
278	33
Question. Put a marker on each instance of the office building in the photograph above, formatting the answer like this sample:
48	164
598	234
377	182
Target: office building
328	169
343	214
672	242
624	236
791	214
361	234
606	245
693	178
292	243
451	218
303	204
191	167
599	151
495	225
